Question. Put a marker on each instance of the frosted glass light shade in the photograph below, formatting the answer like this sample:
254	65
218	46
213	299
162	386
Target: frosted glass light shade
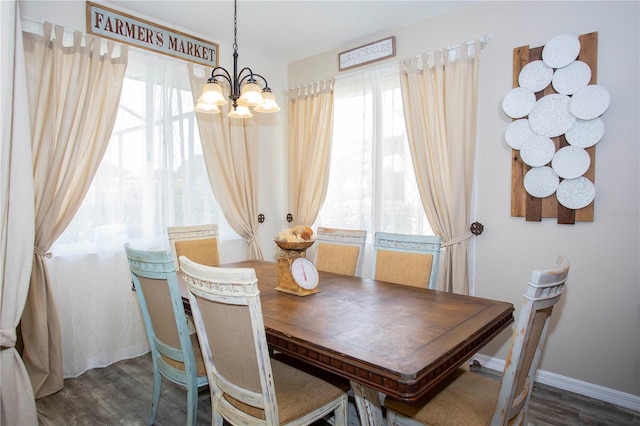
269	105
240	111
250	95
206	108
212	94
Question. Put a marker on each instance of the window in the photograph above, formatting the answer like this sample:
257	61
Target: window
153	173
372	184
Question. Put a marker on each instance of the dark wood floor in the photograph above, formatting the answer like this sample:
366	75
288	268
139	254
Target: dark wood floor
121	395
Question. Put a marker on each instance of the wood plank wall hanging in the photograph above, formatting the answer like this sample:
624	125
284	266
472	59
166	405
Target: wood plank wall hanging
556	106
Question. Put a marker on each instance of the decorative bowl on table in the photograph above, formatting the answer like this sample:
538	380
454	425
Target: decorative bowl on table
294	245
298	238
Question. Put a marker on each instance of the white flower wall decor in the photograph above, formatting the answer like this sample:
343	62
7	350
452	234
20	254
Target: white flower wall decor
556	109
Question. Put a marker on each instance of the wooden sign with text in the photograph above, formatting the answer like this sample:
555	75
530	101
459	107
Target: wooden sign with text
115	25
372	52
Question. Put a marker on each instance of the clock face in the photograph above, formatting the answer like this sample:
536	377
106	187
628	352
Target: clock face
304	273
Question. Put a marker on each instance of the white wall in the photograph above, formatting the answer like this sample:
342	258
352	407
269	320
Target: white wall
594	336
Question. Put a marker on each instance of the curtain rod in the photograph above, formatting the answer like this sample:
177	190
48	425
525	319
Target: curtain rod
484	40
29	27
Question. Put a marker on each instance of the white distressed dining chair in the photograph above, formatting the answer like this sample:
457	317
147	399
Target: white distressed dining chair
467	398
197	242
340	251
407	259
175	352
247	386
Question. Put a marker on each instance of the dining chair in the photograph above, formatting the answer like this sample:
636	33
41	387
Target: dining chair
175	352
246	385
407	259
340	251
468	398
197	242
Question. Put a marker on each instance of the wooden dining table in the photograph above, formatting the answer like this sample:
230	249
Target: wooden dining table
398	340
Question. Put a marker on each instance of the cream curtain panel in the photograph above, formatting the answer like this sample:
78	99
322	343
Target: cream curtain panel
73	93
231	152
17	403
440	97
310	129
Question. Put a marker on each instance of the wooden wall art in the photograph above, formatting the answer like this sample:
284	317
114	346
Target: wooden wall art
556	106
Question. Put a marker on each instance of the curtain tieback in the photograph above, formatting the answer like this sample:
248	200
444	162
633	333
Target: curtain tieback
8	338
251	240
38	252
457	240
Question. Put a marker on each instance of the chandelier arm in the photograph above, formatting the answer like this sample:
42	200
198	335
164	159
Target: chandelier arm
252	78
221	73
241	79
266	84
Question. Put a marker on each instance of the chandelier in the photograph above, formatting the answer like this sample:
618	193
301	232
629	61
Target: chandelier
244	89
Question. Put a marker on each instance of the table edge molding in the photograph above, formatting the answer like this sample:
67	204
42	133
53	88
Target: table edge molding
404	388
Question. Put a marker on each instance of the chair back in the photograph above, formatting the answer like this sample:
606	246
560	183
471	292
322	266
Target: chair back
227	301
198	243
156	285
407	259
340	251
543	292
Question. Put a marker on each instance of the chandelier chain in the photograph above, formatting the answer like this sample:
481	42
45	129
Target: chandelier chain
235	25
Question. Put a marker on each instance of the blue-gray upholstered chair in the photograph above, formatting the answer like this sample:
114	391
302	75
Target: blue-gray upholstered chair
176	353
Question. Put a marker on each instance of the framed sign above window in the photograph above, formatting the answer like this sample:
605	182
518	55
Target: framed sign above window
122	27
368	53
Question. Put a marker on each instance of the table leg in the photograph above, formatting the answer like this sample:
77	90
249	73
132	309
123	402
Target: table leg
367	404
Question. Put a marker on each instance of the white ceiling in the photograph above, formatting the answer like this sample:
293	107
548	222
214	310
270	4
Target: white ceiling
289	30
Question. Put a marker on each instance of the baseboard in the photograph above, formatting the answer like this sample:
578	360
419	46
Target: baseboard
590	390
